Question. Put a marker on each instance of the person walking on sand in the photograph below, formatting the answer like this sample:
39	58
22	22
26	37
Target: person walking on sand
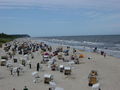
25	88
38	66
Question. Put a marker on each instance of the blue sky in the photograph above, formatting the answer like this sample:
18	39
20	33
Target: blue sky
60	17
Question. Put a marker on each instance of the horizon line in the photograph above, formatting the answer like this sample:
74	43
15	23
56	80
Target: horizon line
76	35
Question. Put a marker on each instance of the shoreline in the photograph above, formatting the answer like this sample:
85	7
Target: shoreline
84	48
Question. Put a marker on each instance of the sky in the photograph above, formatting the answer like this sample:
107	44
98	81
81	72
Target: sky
60	17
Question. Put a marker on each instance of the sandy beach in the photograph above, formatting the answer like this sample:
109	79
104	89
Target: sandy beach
108	69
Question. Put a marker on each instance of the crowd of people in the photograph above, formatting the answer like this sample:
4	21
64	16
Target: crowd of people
25	48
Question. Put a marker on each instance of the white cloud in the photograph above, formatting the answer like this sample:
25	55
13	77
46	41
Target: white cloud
109	4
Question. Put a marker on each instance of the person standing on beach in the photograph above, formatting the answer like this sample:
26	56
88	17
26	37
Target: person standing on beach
38	66
18	71
11	71
104	55
95	49
25	88
30	65
13	88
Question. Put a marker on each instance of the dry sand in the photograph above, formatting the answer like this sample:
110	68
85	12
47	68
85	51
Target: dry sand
108	69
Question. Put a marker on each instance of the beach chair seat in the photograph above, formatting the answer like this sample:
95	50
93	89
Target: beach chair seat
4	57
3	62
15	59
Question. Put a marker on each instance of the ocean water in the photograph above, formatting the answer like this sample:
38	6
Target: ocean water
107	43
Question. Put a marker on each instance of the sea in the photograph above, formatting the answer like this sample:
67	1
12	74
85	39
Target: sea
110	44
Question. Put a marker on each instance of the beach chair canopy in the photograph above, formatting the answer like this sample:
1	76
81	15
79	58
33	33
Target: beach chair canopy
3	60
48	76
60	53
52	83
61	66
96	86
67	68
71	62
15	58
34	73
45	56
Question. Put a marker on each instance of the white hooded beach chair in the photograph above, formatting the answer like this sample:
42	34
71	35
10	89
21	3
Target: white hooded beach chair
52	84
15	59
36	77
3	62
21	68
67	70
35	74
96	86
61	67
48	78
